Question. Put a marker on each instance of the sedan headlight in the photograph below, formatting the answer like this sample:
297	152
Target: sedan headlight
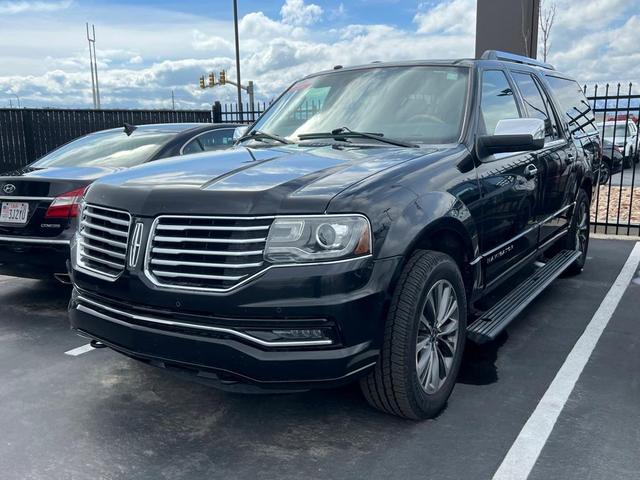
320	238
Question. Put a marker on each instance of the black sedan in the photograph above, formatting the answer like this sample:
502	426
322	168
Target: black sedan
39	203
612	161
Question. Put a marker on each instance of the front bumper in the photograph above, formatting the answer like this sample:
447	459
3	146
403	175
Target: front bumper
179	330
33	257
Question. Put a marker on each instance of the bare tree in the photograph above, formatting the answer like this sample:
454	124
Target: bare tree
526	31
547	17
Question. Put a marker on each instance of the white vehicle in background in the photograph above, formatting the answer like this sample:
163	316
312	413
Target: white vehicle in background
625	137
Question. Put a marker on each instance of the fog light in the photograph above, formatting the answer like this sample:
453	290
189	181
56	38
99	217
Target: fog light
300	334
321	335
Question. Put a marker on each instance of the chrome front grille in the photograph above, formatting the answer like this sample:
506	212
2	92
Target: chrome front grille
206	253
102	240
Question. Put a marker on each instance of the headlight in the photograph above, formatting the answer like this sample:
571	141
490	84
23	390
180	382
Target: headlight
312	239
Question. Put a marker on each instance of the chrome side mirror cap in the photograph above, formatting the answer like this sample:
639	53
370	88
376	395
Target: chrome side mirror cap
521	126
512	135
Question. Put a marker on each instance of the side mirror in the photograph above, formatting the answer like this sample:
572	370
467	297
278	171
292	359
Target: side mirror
239	132
513	135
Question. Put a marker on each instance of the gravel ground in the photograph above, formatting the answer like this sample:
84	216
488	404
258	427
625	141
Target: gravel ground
627	198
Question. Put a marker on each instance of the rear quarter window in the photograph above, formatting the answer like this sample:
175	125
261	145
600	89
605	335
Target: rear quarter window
574	105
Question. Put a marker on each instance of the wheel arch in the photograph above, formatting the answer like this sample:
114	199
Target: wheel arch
448	228
449	236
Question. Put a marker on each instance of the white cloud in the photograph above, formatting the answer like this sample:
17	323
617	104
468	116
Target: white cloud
170	50
13	8
457	16
202	41
295	12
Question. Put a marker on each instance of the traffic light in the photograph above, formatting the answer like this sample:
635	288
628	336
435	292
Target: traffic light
212	79
223	77
202	85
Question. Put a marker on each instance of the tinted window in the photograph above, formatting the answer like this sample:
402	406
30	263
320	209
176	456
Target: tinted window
536	103
574	104
192	147
498	102
213	140
422	104
107	149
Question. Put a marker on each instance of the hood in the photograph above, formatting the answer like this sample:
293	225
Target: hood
244	181
618	140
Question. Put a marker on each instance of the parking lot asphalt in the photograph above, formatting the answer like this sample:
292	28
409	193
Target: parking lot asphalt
628	178
100	415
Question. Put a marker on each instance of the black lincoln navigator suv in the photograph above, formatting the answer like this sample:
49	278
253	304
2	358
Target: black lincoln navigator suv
368	224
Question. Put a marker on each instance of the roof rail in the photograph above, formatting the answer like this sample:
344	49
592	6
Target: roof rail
512	57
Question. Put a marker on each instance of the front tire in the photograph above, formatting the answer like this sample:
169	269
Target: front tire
605	172
578	235
424	339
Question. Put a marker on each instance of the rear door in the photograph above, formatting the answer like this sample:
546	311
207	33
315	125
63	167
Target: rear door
555	162
509	185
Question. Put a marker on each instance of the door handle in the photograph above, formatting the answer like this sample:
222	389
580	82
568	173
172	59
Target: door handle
530	171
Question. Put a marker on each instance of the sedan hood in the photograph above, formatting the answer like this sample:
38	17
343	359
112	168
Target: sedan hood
243	181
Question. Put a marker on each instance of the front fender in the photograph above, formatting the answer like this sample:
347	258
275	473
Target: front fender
429	212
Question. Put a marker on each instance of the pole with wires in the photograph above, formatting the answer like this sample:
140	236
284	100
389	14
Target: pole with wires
95	62
93	78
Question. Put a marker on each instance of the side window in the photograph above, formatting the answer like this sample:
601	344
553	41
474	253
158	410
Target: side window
577	110
536	103
216	139
192	147
213	140
497	101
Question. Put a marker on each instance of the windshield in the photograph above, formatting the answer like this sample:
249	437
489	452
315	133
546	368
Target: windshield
423	104
621	130
106	149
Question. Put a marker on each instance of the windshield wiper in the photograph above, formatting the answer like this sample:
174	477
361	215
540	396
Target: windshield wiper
345	132
260	136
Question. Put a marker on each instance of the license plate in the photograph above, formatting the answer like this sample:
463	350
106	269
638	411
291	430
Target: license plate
14	212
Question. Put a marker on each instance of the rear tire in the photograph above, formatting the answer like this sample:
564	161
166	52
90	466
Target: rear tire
578	235
424	339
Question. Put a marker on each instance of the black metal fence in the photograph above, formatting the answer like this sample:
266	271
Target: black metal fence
28	134
616	203
230	113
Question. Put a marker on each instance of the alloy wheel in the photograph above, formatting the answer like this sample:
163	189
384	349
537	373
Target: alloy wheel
437	337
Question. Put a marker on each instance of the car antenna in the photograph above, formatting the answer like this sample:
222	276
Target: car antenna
129	129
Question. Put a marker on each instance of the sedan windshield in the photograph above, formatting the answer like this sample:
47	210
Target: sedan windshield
111	148
422	104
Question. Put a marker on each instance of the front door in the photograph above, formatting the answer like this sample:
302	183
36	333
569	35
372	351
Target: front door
509	184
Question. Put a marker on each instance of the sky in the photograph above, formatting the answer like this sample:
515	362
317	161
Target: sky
147	49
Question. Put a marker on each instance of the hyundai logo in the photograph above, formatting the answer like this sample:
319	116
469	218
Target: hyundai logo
9	188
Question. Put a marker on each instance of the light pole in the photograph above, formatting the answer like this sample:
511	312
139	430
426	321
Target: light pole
18	98
93	61
235	22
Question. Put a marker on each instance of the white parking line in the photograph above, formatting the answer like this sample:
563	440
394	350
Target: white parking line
524	452
80	350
